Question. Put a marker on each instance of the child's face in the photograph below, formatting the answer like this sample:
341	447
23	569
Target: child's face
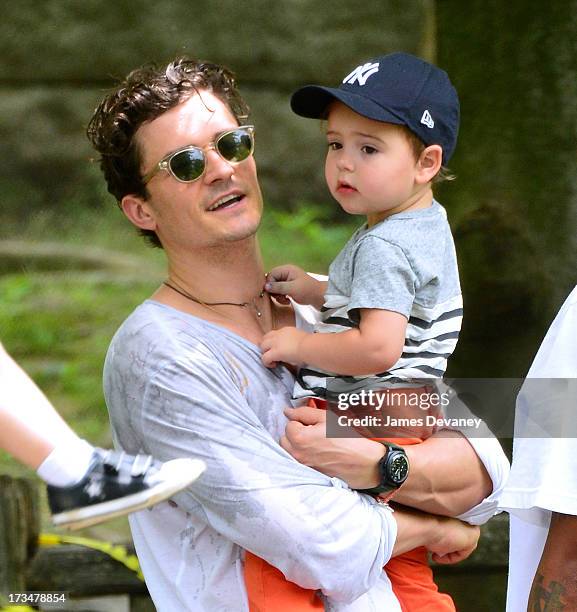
370	167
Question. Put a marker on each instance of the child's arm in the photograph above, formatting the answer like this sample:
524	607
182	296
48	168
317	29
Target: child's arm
292	280
374	347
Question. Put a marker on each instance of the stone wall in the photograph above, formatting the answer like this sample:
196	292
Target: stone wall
514	204
57	58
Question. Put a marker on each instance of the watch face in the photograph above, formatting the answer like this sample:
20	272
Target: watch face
399	468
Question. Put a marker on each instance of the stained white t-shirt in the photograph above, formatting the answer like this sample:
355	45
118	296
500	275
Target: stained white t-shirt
543	476
178	386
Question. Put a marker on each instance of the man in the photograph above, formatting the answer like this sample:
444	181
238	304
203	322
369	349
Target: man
184	376
541	493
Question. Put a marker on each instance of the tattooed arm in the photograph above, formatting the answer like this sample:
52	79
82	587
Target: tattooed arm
555	583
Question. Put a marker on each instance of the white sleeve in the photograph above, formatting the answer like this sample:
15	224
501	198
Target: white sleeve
254	493
490	453
496	463
543	475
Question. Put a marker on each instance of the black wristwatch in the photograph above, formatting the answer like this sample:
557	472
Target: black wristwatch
393	470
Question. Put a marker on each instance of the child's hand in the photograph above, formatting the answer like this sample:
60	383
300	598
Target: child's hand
282	345
292	280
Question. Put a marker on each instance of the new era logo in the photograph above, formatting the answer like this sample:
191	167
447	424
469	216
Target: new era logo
427	120
361	73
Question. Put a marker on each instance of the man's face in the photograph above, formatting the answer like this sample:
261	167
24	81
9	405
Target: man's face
370	166
181	212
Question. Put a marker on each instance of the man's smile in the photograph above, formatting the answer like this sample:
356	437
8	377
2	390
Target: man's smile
226	201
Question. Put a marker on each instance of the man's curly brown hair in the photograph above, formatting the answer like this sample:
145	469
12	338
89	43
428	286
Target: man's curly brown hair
144	95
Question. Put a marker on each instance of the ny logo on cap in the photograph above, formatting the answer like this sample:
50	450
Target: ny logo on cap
427	120
361	73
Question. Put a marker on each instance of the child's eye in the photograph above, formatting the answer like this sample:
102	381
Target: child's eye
335	146
369	150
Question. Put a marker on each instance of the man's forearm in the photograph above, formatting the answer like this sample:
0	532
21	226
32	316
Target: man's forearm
450	540
414	529
555	583
446	477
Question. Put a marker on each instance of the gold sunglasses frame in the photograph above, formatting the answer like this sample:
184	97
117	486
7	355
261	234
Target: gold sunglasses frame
164	163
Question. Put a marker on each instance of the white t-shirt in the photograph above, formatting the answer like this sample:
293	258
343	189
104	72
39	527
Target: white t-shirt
543	475
179	386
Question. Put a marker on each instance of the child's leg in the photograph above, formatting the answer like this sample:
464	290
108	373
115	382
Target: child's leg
85	485
267	589
34	433
411	577
414	585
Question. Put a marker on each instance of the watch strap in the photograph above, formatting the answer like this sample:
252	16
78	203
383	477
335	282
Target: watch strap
384	487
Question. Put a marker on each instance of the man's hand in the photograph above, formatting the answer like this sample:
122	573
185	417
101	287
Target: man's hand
456	541
449	539
292	280
354	460
282	345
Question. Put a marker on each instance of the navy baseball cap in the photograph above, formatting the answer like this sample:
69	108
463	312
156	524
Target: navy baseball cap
397	88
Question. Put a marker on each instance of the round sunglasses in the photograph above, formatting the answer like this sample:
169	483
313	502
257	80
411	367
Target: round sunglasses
189	163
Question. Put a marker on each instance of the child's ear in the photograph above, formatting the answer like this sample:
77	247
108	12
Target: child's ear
429	164
139	212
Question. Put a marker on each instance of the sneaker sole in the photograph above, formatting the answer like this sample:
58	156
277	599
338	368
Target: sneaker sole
179	474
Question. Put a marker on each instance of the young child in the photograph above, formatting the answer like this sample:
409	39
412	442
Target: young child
393	292
86	485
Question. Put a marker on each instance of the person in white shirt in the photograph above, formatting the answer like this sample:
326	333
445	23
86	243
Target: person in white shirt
541	493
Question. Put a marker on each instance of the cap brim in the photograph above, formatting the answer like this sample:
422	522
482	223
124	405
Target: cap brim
311	101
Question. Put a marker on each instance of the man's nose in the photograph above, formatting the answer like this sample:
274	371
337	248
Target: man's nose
217	168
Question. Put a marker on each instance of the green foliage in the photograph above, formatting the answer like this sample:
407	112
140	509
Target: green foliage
59	330
304	237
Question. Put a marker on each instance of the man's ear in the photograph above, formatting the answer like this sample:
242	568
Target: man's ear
139	212
429	163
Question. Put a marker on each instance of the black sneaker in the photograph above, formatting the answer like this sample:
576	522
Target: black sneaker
116	484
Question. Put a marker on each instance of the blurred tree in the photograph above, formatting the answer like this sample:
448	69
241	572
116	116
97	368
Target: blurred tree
514	204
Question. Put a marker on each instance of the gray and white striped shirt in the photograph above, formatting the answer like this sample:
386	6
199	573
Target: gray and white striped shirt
407	264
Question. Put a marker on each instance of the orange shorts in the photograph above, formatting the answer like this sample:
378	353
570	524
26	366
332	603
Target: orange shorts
410	575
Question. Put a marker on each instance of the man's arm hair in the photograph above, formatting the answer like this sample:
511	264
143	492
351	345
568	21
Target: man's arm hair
555	583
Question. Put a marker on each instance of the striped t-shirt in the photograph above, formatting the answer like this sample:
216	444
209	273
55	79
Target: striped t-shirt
407	264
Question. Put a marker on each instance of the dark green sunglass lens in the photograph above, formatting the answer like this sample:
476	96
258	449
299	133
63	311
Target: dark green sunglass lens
188	165
235	146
